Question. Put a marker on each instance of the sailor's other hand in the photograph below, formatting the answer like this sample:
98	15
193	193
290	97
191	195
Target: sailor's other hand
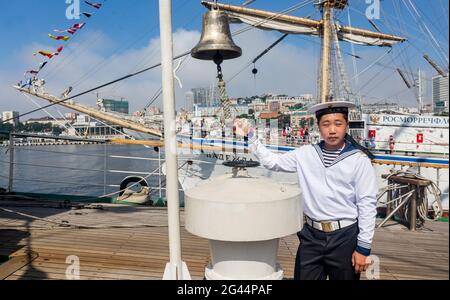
360	262
241	127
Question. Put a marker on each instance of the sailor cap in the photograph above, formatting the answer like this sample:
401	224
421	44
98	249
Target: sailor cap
331	108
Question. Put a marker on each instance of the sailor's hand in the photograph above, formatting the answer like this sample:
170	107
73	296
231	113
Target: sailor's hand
241	127
360	262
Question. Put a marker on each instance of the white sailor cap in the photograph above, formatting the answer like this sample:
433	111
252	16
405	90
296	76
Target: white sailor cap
331	108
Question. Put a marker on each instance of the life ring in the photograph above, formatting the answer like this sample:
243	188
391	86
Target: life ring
127	194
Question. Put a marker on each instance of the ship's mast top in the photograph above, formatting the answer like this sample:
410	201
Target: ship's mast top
336	4
326	31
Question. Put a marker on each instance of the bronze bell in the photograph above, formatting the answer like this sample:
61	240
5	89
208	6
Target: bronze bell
216	42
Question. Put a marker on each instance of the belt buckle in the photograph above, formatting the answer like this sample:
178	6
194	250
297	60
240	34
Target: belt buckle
326	226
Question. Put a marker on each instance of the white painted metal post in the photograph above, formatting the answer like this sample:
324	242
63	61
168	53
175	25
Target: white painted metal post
420	91
104	168
159	173
11	162
175	269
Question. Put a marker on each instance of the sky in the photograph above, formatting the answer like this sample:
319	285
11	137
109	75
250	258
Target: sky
123	37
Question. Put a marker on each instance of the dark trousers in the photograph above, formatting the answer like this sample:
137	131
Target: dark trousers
321	255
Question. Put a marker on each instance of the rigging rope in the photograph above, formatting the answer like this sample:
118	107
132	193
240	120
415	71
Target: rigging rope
48	113
422	200
437	47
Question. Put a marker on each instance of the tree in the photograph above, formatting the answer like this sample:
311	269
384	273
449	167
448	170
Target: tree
243	116
5	129
298	106
286	119
57	130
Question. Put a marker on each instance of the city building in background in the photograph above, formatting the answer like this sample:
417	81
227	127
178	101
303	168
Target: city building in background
11	116
110	105
439	91
201	97
85	126
61	122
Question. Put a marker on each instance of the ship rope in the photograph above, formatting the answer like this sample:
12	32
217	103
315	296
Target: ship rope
49	114
427	32
400	202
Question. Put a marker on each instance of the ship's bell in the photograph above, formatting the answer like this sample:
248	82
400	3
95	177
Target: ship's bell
216	42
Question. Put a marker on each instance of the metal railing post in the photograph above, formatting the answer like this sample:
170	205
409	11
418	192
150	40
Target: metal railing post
104	169
159	172
11	162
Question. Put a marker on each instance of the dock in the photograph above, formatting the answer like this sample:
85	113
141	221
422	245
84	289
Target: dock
126	242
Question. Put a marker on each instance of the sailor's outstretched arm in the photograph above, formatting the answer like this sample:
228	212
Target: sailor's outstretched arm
366	201
276	162
286	162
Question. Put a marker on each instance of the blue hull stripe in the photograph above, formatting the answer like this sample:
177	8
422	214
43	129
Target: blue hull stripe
406	159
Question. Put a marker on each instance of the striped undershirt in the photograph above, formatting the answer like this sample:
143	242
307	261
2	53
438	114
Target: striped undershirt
330	155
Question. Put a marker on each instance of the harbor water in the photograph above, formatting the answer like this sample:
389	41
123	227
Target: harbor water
85	170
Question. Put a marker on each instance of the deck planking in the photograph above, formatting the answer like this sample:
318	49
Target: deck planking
131	243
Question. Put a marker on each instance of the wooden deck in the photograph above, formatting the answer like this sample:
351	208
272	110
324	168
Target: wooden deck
132	243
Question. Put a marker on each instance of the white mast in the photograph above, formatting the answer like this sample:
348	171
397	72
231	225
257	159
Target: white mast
176	268
420	92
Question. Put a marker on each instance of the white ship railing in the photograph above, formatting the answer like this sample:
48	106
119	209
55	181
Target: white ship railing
14	165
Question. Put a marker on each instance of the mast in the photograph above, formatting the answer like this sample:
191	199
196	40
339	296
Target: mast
264	18
420	92
70	104
326	43
329	41
435	66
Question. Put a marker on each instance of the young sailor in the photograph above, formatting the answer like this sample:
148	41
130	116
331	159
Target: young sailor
339	190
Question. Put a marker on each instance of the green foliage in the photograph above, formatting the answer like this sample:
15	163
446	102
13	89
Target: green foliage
30	128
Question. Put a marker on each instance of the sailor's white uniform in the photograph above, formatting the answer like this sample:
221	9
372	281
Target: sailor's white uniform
344	190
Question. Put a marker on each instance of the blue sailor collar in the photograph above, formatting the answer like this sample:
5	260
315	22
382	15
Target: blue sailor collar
348	151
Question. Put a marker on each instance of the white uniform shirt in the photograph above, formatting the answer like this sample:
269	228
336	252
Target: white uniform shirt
345	190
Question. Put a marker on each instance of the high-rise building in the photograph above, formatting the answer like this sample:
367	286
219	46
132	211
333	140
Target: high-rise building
203	96
110	105
213	96
189	104
439	90
200	96
11	116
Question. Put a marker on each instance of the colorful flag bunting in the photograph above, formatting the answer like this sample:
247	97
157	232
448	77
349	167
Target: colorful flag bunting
78	26
60	37
42	65
87	15
71	31
32	72
95	5
49	54
44	53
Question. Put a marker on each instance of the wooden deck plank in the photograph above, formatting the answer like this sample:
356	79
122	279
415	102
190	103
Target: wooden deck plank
142	252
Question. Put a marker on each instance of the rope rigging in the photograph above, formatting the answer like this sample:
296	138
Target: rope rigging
401	199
